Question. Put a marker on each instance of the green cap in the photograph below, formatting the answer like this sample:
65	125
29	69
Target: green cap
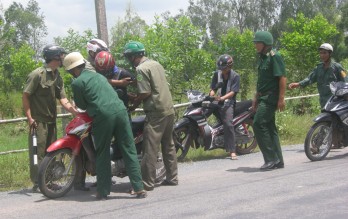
263	36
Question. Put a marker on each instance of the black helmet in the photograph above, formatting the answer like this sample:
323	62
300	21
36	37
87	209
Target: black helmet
224	61
51	52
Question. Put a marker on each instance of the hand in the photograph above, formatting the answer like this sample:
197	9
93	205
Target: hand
219	99
254	105
32	123
281	105
293	85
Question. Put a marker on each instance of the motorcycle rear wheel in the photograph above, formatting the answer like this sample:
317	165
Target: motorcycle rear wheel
318	141
183	141
251	145
57	173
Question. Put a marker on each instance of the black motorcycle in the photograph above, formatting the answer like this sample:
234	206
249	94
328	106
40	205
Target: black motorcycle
330	128
197	129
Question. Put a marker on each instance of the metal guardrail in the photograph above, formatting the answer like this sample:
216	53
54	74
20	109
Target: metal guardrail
176	106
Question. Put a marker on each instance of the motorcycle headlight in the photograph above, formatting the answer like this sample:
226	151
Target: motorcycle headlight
333	88
341	92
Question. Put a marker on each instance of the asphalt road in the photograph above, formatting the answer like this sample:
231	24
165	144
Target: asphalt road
218	188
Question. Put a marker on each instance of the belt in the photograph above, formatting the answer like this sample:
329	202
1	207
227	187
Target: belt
261	94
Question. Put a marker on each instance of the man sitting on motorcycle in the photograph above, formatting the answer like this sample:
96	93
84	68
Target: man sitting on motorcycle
225	84
119	78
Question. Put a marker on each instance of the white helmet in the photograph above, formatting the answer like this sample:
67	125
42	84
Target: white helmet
96	45
326	46
73	60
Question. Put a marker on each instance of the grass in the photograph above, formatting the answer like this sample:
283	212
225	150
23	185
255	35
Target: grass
15	167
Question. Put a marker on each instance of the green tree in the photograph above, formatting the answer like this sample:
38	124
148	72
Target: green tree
28	25
240	46
175	44
22	63
129	27
300	49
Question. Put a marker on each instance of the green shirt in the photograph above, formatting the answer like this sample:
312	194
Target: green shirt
323	78
271	66
151	79
93	93
44	88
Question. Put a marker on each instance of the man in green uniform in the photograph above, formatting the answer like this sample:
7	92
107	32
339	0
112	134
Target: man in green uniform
270	94
326	72
93	93
153	91
43	87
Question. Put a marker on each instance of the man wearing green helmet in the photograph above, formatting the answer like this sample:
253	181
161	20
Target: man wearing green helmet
154	93
270	93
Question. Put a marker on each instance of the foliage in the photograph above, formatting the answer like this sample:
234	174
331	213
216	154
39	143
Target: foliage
240	46
22	63
175	44
74	41
28	25
131	25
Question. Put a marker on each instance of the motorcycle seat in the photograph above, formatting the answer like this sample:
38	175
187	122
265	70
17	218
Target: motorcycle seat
242	106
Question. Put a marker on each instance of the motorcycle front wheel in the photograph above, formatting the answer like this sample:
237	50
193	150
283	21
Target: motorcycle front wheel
318	141
245	131
183	141
57	173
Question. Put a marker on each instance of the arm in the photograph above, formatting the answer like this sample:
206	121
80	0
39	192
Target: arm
26	107
68	106
282	86
120	83
138	99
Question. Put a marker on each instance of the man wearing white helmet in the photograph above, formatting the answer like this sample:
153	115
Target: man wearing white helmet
323	74
94	46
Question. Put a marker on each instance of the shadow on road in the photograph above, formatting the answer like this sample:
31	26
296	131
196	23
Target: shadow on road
245	169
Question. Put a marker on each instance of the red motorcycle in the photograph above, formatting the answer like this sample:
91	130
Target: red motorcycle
69	156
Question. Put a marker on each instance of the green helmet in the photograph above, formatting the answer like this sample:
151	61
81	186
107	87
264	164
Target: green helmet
134	48
263	36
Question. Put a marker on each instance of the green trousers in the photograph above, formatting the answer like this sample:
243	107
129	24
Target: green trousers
266	132
118	126
46	134
158	131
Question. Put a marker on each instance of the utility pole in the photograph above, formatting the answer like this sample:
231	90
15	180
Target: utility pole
102	26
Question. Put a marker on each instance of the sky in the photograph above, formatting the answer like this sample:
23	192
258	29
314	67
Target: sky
61	15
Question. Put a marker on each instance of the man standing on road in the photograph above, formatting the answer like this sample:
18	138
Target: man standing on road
271	84
153	91
43	87
93	93
326	72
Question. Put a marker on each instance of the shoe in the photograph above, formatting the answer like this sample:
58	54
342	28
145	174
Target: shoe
148	188
101	197
268	166
169	183
35	188
315	150
279	165
81	188
141	194
234	157
54	187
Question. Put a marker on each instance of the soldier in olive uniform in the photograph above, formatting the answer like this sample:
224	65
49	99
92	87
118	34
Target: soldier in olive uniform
326	72
153	91
270	94
93	93
43	87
